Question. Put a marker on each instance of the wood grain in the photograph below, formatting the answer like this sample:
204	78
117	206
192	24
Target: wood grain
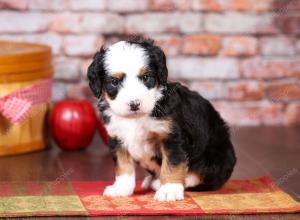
260	151
21	52
22	65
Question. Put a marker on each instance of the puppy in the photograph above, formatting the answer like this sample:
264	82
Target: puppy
172	132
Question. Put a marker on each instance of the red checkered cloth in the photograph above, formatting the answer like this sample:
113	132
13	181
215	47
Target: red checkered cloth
25	199
16	105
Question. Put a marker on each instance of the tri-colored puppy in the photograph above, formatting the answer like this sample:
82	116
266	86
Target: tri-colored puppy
174	133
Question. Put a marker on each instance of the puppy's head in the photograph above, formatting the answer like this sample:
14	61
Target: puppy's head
130	76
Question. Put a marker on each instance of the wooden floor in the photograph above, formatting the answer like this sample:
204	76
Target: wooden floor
260	151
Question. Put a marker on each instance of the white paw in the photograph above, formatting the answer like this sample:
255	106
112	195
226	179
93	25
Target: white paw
150	182
155	185
170	192
117	190
123	186
147	182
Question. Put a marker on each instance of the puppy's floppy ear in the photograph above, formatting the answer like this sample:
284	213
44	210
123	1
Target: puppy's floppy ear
96	73
162	70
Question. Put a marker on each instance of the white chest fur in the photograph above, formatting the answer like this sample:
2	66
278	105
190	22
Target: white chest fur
134	133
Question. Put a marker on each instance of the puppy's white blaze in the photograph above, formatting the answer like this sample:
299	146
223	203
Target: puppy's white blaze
170	192
123	186
125	57
134	89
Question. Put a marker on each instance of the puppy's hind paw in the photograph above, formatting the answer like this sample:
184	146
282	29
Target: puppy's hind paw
151	182
147	182
155	185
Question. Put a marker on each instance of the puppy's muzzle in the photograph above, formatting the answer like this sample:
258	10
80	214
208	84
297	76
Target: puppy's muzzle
134	105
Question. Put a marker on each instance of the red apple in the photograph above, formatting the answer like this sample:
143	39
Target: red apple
73	124
103	132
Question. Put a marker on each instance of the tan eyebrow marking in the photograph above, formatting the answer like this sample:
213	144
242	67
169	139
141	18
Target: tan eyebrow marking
142	72
118	75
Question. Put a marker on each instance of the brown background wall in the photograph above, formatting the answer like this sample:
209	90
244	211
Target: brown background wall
244	55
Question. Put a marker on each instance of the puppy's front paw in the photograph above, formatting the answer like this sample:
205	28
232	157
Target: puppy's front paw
123	186
170	192
117	190
150	182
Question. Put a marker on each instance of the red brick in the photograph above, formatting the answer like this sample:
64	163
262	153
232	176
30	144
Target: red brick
285	6
59	90
209	89
201	44
87	22
259	68
264	89
203	68
83	45
238	114
250	5
98	23
241	4
170	5
245	90
170	44
295	67
50	39
271	114
240	23
164	22
21	22
65	23
127	5
250	114
239	46
292	115
208	5
56	5
14	4
289	24
66	69
78	91
277	46
84	64
235	5
298	46
91	5
283	91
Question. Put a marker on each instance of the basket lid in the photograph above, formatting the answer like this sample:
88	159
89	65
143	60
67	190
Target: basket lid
19	57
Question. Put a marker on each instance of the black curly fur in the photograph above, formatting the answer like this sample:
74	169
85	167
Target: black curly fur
96	73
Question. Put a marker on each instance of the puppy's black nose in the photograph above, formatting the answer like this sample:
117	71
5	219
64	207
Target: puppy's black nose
134	106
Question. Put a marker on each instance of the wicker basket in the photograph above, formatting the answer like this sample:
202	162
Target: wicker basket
22	65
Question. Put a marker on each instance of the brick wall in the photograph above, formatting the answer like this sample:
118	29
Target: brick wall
244	55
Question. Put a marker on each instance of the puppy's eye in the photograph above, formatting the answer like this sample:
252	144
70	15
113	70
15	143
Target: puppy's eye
115	82
145	78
